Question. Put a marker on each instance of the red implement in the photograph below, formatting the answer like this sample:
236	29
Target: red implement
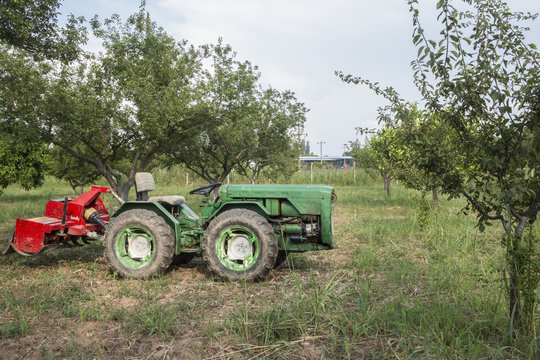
64	219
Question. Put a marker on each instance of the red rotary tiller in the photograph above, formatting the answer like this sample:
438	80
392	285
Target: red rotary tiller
64	220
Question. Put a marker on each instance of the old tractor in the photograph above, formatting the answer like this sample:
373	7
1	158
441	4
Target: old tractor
242	233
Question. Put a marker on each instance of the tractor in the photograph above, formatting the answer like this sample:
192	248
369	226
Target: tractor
243	232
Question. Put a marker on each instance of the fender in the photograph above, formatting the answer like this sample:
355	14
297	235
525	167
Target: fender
211	212
154	207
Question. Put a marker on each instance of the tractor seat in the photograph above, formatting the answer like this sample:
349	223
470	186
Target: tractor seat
173	200
144	182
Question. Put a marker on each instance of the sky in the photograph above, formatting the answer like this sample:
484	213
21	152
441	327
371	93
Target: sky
299	44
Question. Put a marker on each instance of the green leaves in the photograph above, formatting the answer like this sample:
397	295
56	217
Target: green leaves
21	162
247	127
479	134
31	25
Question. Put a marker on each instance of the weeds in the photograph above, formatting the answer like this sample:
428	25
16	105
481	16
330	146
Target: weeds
408	280
156	319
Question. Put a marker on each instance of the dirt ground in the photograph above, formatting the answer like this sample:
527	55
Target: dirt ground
103	325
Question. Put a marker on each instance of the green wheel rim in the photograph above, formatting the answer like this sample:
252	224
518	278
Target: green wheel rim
223	248
127	256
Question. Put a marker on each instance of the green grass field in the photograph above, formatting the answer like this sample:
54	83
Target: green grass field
402	284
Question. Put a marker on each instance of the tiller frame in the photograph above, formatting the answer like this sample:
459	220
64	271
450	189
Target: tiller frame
65	220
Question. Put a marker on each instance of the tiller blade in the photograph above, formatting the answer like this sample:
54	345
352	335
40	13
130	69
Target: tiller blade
8	248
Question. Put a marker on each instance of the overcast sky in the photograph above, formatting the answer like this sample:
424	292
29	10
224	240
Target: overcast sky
298	44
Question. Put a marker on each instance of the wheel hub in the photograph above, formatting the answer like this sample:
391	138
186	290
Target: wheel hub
139	247
239	248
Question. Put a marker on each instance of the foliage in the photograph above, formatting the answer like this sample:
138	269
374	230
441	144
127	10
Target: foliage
21	87
378	153
410	134
247	128
362	154
138	97
64	166
481	81
385	151
227	97
113	112
276	150
31	25
21	163
306	151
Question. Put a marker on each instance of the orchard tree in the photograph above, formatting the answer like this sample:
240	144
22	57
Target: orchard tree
21	162
31	25
117	112
64	166
21	89
245	124
412	132
276	149
481	80
28	31
362	154
227	98
384	152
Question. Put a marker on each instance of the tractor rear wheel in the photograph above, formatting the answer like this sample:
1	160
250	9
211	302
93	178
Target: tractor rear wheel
139	244
240	244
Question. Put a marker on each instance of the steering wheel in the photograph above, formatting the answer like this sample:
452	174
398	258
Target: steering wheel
205	190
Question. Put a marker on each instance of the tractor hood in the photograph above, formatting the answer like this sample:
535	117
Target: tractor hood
307	199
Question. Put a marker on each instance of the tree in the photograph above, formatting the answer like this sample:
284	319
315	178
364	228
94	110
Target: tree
62	165
245	124
31	25
276	148
226	94
412	131
379	153
383	148
116	112
482	81
21	86
305	148
21	163
28	29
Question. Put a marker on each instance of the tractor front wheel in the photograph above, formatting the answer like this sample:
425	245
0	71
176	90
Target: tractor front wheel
240	244
139	244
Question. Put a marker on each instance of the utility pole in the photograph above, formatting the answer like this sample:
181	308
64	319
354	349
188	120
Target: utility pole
321	142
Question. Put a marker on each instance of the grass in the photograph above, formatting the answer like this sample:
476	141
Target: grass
407	281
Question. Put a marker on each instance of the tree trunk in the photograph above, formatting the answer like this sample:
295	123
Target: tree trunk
435	195
513	286
517	288
387	185
123	191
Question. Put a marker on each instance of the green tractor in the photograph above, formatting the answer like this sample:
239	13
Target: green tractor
244	232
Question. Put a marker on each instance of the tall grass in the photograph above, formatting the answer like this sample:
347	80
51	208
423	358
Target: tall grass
405	291
330	176
409	280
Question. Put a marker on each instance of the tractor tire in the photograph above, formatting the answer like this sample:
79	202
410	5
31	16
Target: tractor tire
139	244
183	258
281	257
240	244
